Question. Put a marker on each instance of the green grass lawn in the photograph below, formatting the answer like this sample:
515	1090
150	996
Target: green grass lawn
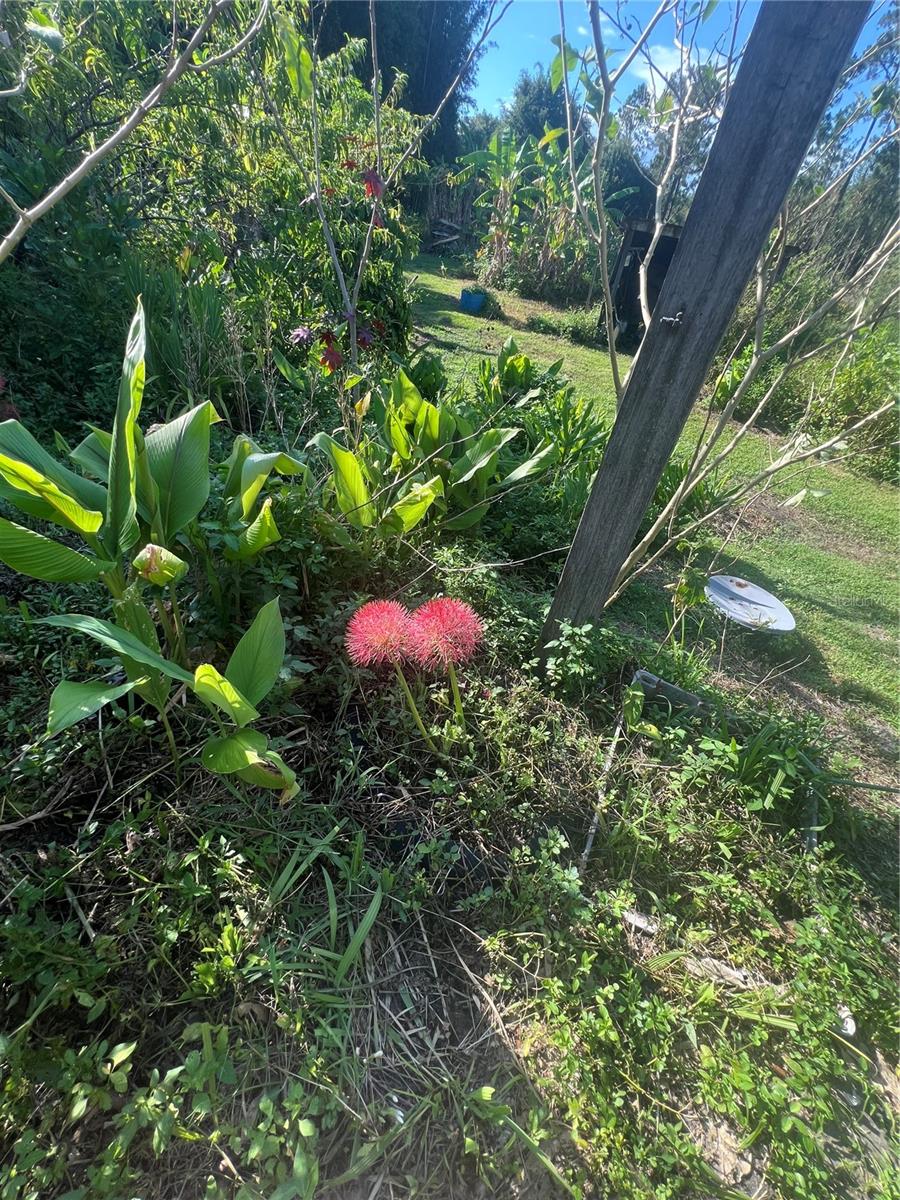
832	560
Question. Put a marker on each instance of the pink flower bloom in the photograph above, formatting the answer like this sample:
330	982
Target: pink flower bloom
374	183
378	633
444	632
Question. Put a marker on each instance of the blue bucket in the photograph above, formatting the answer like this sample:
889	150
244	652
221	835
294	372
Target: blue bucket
472	300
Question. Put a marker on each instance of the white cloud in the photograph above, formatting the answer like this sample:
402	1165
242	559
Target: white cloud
666	60
582	31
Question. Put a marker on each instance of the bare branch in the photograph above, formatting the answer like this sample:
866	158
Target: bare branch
242	44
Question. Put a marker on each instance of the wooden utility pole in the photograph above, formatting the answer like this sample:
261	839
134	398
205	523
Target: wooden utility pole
794	58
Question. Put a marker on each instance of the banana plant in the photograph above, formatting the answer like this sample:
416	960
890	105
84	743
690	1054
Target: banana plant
231	697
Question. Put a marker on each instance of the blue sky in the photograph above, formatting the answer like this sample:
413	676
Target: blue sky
523	38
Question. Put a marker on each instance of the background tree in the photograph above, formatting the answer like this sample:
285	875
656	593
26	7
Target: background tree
427	42
476	130
534	106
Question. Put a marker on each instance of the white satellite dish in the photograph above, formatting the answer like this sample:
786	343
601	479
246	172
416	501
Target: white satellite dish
748	605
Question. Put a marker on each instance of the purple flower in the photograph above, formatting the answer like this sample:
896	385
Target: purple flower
301	336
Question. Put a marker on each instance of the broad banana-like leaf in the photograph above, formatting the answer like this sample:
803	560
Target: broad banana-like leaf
120	640
249	468
210	685
353	496
92	453
74	702
395	431
258	536
227	755
158	565
410	509
40	557
178	456
17	442
121	528
406	397
32	483
259	655
539	462
427	429
481	458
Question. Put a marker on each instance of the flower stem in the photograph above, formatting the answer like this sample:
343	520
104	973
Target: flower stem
412	708
457	699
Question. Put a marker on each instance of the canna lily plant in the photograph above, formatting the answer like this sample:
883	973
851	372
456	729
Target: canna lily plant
135	508
429	461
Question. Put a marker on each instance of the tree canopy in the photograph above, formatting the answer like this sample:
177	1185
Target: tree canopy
427	43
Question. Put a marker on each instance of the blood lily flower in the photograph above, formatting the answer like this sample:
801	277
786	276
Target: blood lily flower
378	633
374	183
445	632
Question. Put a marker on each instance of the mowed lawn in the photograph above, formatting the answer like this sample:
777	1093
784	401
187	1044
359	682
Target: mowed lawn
832	559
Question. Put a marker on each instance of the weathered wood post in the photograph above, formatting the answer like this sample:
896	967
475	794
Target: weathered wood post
793	60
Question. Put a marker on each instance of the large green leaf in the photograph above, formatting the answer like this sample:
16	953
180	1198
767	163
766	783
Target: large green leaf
31	483
481	457
427	428
120	640
353	496
395	430
249	468
210	685
259	655
40	557
410	509
121	529
405	396
566	60
297	59
17	442
533	466
73	702
92	453
258	536
226	755
178	455
256	470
